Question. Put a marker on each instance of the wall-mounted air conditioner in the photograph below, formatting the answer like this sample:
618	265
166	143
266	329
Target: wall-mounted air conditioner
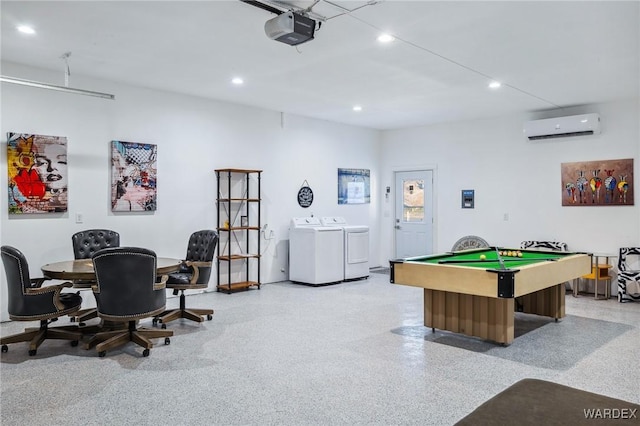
562	127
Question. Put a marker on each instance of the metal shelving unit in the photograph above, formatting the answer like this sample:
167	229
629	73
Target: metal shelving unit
238	225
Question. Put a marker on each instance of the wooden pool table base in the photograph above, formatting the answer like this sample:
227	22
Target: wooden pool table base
489	318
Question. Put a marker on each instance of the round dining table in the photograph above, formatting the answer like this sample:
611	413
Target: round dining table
82	269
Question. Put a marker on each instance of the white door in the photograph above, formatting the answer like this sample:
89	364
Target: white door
414	213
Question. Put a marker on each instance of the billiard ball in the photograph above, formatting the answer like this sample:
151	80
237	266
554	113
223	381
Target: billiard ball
483	257
519	254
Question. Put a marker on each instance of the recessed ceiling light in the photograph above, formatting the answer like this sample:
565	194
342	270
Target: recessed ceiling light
357	108
26	29
494	84
237	81
385	38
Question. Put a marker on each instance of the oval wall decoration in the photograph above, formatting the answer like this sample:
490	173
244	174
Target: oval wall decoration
305	196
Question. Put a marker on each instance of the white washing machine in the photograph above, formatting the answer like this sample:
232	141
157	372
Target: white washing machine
316	252
356	247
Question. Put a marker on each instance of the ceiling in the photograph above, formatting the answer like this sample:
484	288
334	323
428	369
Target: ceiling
547	55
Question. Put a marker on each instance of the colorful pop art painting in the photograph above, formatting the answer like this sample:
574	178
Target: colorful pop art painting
133	176
37	169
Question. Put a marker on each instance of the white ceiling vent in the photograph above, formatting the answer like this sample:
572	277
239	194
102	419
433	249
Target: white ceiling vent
562	127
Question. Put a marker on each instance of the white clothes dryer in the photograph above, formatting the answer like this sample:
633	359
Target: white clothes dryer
356	247
316	252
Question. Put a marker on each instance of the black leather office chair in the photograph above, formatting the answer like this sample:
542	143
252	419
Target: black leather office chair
627	275
29	301
194	274
85	245
127	291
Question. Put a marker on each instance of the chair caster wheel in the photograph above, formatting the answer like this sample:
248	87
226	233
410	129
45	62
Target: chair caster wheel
167	341
102	354
209	317
74	343
32	352
145	352
164	326
72	319
82	324
5	348
154	321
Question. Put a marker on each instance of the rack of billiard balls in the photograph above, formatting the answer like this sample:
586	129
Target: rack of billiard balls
510	253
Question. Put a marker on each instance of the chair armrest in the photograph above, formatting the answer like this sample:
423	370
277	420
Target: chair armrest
196	272
55	289
48	289
162	284
37	282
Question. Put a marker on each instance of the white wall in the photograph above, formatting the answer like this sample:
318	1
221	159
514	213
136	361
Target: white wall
515	176
194	137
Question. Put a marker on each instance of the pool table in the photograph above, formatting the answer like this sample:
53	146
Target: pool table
476	292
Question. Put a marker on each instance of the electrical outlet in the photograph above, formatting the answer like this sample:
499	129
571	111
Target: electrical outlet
79	218
505	217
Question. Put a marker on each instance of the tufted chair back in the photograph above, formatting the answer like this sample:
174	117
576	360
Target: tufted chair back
27	301
202	248
126	284
87	243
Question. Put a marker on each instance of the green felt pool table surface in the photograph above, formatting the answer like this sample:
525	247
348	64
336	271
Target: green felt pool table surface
471	258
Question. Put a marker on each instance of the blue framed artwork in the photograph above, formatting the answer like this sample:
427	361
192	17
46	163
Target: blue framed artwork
354	186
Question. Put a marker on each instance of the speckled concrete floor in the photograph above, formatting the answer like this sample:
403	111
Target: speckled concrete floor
346	354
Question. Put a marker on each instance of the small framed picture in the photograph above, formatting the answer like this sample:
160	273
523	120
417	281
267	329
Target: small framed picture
244	221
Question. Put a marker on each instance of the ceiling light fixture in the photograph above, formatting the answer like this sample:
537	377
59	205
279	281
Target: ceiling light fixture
25	29
237	81
495	84
54	87
386	38
357	108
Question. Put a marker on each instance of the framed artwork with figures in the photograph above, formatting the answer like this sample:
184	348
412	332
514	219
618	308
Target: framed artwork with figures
598	183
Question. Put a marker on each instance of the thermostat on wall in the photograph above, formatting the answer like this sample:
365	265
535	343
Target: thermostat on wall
468	197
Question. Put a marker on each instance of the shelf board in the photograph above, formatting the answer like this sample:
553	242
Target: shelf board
238	171
239	257
240	228
239	200
238	286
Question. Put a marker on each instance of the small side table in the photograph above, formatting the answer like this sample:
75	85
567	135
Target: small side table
599	272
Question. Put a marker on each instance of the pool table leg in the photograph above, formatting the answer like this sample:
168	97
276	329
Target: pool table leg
485	317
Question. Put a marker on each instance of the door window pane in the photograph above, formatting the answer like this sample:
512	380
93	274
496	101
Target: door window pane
413	200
